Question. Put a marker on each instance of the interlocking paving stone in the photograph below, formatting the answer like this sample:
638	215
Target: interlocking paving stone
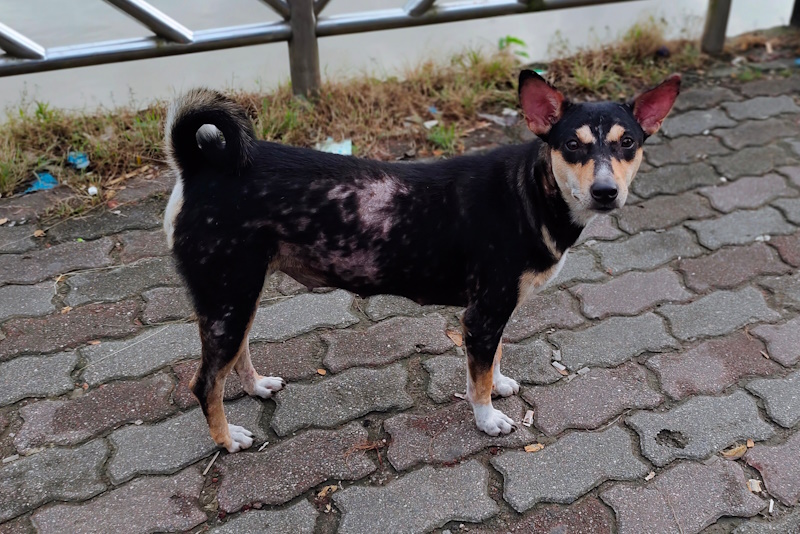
783	341
588	516
527	363
66	422
684	150
285	470
684	499
66	330
340	398
613	341
630	293
785	288
386	342
704	98
53	474
761	107
539	312
718	313
647	250
740	227
303	313
751	161
663	212
141	216
788	247
750	192
591	399
601	228
756	133
729	267
149	504
711	366
23	377
166	304
674	179
418	502
138	244
381	307
298	519
21	525
545	476
141	355
287	285
698	427
39	265
696	122
17	239
790	207
786	524
26	301
780	467
580	265
770	87
792	172
165	447
116	284
781	398
449	434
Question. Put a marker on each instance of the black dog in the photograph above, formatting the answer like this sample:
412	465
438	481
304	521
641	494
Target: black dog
482	232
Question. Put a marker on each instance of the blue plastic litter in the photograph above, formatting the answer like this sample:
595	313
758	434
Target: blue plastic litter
79	160
344	148
797	61
433	110
44	181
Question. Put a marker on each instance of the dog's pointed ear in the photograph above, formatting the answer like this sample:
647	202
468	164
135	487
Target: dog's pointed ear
542	104
651	107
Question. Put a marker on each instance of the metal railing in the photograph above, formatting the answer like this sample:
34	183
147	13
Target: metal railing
300	28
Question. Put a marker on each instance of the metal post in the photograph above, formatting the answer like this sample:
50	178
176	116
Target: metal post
795	20
716	25
303	49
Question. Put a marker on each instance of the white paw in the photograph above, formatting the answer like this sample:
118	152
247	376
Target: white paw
504	386
241	438
265	386
493	422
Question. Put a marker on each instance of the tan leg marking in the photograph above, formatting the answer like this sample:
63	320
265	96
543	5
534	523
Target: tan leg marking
217	422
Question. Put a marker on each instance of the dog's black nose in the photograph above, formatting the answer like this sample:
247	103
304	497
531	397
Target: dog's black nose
604	193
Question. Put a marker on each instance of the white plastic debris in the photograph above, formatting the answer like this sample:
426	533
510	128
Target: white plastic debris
650	476
557	355
528	419
771	505
583	371
343	148
558	365
92	190
430	124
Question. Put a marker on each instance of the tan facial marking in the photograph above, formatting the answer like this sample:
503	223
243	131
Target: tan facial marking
624	171
570	176
615	134
584	134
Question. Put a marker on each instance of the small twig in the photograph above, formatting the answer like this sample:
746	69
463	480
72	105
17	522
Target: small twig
122	349
214	459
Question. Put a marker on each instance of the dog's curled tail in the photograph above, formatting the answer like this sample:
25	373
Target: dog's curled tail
205	127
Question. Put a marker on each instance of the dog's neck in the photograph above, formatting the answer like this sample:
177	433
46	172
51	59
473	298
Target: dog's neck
543	203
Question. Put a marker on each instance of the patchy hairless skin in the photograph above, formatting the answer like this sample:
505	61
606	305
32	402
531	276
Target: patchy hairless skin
482	232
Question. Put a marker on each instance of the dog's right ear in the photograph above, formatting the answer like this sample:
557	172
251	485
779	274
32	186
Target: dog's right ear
542	104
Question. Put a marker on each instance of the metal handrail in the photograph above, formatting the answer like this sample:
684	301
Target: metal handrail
300	27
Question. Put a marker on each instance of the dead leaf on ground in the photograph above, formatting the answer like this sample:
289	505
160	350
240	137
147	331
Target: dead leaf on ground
734	453
322	372
94	342
3	221
455	337
66	309
750	444
534	447
327	490
38	233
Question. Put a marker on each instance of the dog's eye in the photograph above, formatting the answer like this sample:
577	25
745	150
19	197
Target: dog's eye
572	145
627	142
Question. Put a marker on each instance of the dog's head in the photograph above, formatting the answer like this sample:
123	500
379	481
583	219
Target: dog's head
594	148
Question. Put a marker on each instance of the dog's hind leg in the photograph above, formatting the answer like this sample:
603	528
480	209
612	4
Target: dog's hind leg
483	330
502	385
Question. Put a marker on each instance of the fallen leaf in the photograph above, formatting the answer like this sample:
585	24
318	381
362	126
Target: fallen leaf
754	485
66	309
534	447
455	337
327	490
734	453
94	342
38	233
322	372
112	204
3	221
750	444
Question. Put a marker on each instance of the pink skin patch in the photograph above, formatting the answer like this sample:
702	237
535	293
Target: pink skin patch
375	199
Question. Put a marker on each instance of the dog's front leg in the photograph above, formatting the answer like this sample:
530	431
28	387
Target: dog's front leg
482	333
502	385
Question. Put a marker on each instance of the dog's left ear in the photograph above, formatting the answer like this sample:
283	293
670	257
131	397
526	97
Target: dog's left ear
652	107
541	103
